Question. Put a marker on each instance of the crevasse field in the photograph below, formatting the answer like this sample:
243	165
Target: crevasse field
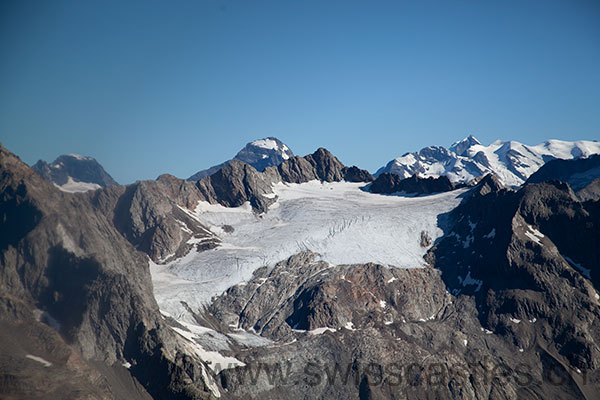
339	221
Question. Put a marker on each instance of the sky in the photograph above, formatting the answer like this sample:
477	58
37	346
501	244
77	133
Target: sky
151	87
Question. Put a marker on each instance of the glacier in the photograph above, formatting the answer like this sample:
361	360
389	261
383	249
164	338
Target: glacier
340	221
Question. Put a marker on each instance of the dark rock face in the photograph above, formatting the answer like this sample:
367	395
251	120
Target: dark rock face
591	191
391	183
524	257
79	168
321	165
577	173
262	153
69	267
581	174
154	216
295	170
235	184
327	168
355	174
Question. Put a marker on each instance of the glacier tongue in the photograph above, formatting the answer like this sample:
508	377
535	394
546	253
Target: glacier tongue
341	222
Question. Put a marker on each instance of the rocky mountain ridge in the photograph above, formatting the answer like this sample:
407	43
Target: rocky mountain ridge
261	153
391	183
152	213
83	296
582	175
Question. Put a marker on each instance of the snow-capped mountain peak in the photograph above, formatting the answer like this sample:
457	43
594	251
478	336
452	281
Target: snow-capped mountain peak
260	153
461	146
263	153
74	173
270	143
511	161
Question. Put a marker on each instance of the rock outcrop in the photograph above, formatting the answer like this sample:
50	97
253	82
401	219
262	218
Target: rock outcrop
582	175
530	260
157	216
235	184
372	331
77	301
391	183
320	165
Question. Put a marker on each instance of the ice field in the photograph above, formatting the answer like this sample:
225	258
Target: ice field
339	221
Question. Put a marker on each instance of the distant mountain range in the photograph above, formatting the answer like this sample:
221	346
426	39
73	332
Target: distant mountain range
512	162
178	289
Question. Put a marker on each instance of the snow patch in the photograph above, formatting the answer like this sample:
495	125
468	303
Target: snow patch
80	157
73	186
534	234
39	359
320	331
215	360
268	144
516	321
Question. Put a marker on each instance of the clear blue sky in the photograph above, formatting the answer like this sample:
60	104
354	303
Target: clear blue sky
149	87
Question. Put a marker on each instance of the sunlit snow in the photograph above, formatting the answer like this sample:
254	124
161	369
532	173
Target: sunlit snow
339	221
534	234
268	144
72	186
40	360
512	162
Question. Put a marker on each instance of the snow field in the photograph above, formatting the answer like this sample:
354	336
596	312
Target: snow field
339	221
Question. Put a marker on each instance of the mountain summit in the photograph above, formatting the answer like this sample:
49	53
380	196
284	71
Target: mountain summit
74	173
461	146
261	153
511	161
